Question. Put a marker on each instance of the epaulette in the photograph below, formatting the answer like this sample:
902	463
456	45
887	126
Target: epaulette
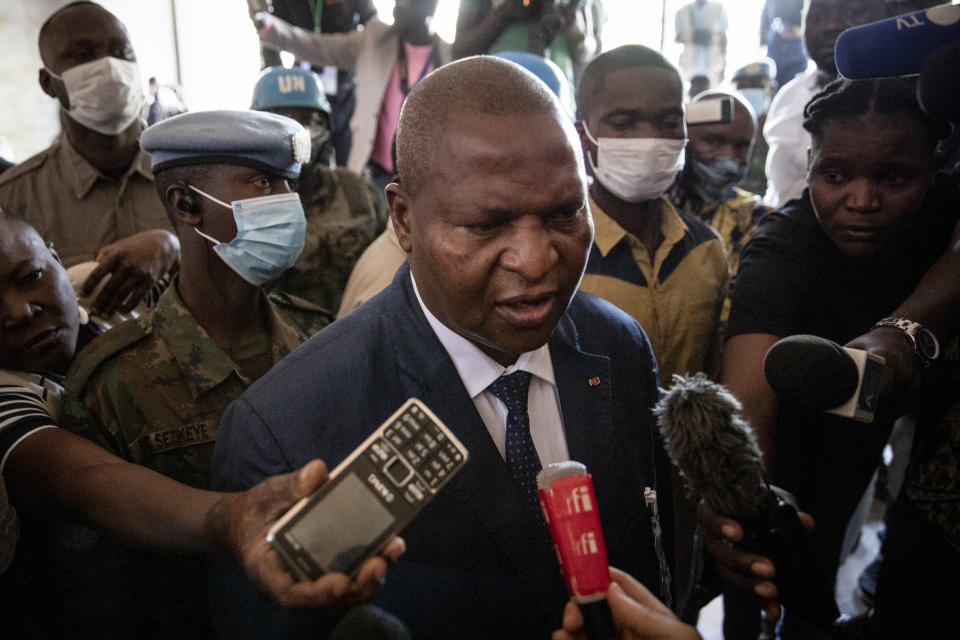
296	302
32	163
103	347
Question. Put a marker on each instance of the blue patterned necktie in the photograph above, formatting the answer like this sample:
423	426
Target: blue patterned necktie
522	456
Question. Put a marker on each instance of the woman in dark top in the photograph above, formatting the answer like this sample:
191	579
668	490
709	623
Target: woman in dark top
832	263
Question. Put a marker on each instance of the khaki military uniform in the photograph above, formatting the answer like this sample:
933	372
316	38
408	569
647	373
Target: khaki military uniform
79	209
152	390
735	219
344	215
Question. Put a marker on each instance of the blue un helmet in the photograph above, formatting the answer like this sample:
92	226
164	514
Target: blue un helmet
280	87
546	70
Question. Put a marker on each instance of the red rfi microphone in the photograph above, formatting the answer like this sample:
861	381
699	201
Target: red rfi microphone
570	508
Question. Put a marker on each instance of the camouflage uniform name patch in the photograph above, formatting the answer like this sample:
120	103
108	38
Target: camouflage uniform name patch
176	438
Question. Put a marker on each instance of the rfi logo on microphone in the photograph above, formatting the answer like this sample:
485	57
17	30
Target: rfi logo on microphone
587	544
579	500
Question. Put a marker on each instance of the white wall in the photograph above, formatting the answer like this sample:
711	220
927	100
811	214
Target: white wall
28	118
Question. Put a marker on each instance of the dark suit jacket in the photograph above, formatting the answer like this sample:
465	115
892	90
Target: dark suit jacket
475	564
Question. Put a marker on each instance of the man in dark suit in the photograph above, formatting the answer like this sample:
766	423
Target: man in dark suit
491	209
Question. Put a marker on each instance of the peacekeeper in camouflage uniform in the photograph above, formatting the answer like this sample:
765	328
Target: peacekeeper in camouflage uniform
152	390
344	212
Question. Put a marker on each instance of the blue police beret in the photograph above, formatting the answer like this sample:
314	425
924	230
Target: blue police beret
249	138
765	68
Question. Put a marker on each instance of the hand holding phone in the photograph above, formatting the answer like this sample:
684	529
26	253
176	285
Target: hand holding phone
370	496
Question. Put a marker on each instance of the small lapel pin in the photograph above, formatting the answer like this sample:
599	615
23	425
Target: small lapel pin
594	381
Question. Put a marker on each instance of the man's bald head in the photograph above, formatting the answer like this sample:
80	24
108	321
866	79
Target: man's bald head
478	85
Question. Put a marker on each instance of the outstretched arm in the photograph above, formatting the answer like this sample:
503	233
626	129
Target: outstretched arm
935	304
53	469
476	30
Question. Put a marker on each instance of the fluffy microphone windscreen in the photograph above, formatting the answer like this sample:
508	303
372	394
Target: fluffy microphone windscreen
812	372
714	449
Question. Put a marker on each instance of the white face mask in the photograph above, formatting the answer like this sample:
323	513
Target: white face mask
636	169
105	95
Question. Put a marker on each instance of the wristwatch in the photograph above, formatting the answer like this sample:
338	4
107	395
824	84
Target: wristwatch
924	343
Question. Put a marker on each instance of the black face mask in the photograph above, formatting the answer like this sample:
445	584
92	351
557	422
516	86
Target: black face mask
321	149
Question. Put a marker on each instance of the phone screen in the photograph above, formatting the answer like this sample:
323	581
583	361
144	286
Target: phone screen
346	522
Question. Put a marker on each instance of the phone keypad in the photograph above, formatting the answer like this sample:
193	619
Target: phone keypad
421	444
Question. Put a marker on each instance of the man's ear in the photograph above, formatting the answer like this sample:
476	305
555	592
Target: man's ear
582	132
398	202
586	145
53	87
183	204
809	163
53	252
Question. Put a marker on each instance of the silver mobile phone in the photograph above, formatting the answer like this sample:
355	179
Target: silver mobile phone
370	496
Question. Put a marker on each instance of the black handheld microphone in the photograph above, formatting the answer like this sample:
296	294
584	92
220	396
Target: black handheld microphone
717	453
820	375
896	46
939	85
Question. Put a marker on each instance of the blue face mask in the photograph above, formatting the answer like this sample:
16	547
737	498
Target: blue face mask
713	182
757	99
270	235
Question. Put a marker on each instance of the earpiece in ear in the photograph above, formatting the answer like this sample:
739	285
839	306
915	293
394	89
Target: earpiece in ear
188	203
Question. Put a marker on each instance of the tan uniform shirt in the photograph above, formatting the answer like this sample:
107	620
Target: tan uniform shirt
374	271
676	297
78	208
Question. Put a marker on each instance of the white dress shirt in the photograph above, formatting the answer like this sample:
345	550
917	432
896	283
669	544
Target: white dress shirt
478	371
787	158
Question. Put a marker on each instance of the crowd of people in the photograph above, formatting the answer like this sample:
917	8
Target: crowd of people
198	316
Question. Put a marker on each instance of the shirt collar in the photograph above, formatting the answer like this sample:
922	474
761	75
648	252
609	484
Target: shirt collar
203	363
478	370
82	175
607	233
